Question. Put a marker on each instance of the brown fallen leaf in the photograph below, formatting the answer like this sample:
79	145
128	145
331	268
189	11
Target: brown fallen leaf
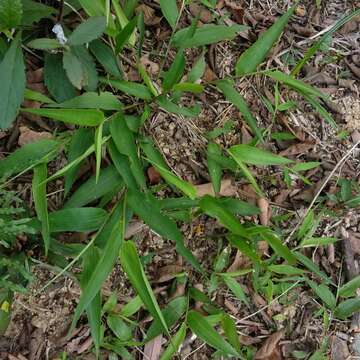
298	148
151	67
300	10
339	349
240	262
149	14
227	189
28	136
153	175
265	212
209	75
167	273
350	26
270	349
204	14
152	348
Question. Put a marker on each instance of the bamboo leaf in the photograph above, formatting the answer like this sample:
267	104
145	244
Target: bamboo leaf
36	96
229	327
171	107
98	149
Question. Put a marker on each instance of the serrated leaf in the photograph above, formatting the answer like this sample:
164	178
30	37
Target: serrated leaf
83	117
255	156
10	13
74	69
170	11
12	89
205	35
132	266
349	289
131	88
228	89
251	58
87	31
55	78
201	327
40	202
44	44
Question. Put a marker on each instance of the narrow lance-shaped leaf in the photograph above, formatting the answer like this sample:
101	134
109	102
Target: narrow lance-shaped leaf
175	343
279	248
251	58
349	289
132	266
39	194
131	88
124	35
98	148
214	168
170	11
347	308
12	89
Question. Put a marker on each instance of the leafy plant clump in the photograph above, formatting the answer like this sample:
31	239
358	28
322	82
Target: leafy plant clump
88	92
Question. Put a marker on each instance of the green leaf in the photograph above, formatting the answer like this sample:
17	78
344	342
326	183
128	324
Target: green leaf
44	44
278	247
255	156
132	307
74	69
349	289
170	11
104	265
34	11
172	313
175	344
55	78
93	8
354	202
36	96
132	266
200	326
236	289
91	100
285	270
251	58
214	208
147	80
318	241
118	326
175	72
80	142
243	245
106	57
239	207
11	12
161	224
40	201
131	88
324	293
77	219
87	31
98	150
125	144
306	166
347	308
124	35
27	156
229	327
190	87
215	170
198	69
12	89
83	117
228	89
90	191
171	107
205	35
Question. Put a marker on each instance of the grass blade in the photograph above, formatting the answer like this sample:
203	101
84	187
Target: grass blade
98	148
176	341
215	170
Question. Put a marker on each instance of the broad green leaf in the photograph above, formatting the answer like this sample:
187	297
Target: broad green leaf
171	107
215	170
11	12
77	219
55	78
212	207
228	89
349	289
124	35
255	156
175	344
324	293
278	247
103	267
132	307
160	223
205	35
131	88
295	84
80	142
118	326
285	270
34	11
125	143
132	266
197	71
236	289
88	30
170	11
93	311
44	44
200	326
172	313
310	52
12	89
91	100
106	57
84	117
36	96
90	191
98	150
175	72
74	69
318	241
229	327
251	58
347	308
27	156
190	87
40	202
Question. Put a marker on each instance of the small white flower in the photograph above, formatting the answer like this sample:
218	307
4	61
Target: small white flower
59	32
